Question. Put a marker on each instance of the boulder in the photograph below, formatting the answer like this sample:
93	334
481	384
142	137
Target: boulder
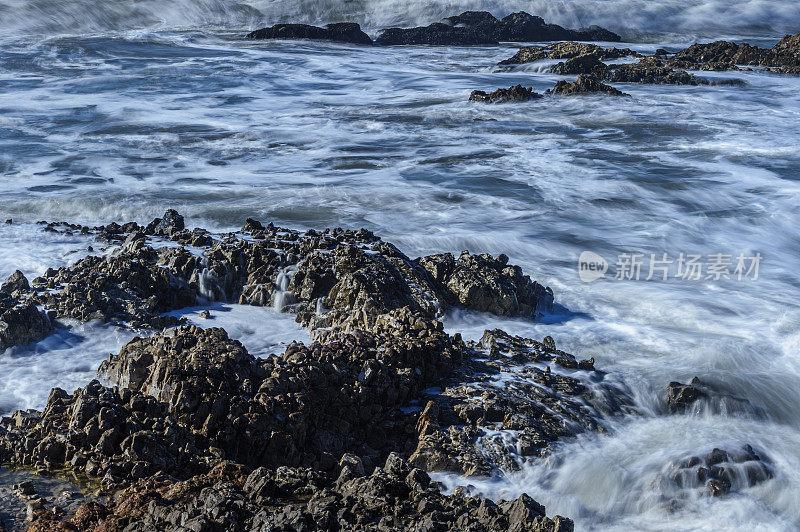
21	322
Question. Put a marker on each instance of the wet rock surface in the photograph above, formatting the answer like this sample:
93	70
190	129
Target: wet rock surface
182	403
585	84
784	57
337	435
581	58
523	397
699	397
566	50
718	473
347	32
23	494
393	496
481	27
21	322
512	94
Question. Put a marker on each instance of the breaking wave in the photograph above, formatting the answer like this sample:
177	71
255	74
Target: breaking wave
633	18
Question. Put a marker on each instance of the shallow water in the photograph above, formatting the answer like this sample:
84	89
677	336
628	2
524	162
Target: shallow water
100	122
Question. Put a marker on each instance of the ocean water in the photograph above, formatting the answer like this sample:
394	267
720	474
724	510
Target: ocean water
119	110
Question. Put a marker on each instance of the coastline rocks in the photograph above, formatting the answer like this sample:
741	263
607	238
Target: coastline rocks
512	94
308	407
699	397
520	398
481	27
21	322
583	85
347	32
350	274
128	288
104	434
719	472
16	282
586	83
582	64
566	50
394	496
784	57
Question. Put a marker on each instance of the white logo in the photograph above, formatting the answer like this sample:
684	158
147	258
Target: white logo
591	266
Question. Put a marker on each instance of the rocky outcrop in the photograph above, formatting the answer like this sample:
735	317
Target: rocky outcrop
482	424
566	50
481	27
698	397
511	94
20	322
347	32
581	58
719	472
585	84
205	435
393	496
784	57
352	274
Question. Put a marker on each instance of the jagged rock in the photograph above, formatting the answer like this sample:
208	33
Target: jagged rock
393	497
536	406
583	85
21	322
348	32
481	27
582	64
170	223
566	50
512	94
698	396
723	55
17	282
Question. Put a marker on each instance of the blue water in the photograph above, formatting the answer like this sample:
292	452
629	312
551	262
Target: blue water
119	110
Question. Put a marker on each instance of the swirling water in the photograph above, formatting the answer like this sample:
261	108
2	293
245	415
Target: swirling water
119	110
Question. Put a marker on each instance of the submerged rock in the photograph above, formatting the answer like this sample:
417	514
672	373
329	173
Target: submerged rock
347	32
718	472
481	27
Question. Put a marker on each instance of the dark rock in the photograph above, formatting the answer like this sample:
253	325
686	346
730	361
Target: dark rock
480	27
512	94
698	396
170	223
21	322
566	50
583	64
784	57
347	32
583	85
395	496
17	282
719	472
